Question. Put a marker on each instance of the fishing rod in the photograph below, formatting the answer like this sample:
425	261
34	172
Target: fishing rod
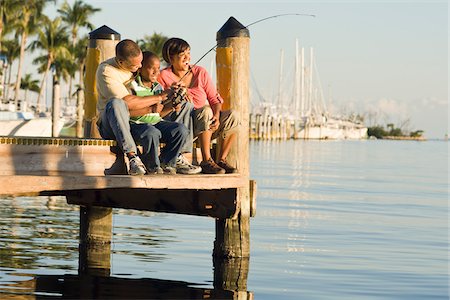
237	30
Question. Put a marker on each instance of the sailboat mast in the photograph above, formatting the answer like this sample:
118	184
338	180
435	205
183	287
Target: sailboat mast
297	82
302	86
311	79
279	106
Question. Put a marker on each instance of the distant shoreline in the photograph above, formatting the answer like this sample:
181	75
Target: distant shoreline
404	138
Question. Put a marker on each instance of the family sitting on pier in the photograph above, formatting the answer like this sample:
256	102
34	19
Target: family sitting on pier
138	103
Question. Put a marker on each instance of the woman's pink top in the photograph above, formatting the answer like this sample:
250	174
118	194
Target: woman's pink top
201	89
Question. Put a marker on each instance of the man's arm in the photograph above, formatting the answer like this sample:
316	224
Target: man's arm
138	105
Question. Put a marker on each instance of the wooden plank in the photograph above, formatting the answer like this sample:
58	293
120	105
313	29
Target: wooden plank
34	185
213	203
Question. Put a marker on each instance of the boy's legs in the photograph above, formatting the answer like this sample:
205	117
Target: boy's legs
174	136
148	136
184	116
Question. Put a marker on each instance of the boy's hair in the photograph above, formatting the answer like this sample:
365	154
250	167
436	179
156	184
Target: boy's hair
148	55
126	49
172	47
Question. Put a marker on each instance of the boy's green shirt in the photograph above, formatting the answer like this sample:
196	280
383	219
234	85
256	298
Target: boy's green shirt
141	91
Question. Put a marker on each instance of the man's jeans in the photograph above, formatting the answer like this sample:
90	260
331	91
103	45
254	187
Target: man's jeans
115	124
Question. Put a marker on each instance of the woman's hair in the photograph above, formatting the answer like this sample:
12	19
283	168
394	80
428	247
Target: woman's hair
172	47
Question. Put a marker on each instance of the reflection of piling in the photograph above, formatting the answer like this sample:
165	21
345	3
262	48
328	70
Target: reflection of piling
102	43
95	222
233	39
231	275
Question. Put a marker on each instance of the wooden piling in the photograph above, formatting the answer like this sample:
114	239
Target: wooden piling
233	40
80	113
102	45
96	222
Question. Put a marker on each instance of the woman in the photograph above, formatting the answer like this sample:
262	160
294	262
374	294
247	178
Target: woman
209	120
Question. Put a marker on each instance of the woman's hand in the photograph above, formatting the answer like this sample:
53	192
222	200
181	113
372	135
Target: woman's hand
214	123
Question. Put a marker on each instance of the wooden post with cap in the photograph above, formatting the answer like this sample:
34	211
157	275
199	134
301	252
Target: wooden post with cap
102	46
232	60
95	222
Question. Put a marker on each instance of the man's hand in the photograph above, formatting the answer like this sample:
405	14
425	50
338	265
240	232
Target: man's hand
156	108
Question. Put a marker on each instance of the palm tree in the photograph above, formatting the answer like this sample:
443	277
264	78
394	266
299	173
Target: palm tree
8	9
80	52
10	48
53	39
28	84
76	16
153	43
27	20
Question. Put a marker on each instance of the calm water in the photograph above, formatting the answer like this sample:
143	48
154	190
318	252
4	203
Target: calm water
335	220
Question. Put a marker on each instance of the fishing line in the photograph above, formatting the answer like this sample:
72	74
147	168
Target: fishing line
237	30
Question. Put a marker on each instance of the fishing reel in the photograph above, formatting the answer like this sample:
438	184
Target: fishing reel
176	96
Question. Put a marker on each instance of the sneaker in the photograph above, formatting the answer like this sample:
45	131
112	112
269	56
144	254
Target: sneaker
184	167
155	170
224	165
210	167
136	166
168	169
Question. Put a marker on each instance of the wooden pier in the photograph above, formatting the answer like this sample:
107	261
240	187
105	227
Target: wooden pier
91	173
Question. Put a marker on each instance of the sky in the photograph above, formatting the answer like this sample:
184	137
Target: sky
386	58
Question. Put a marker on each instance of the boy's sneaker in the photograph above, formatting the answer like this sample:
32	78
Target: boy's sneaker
210	167
155	170
184	167
224	165
168	169
136	166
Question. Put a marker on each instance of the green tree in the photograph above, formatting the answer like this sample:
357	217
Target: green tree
52	39
153	43
8	10
417	133
376	131
10	48
27	22
28	84
76	17
80	52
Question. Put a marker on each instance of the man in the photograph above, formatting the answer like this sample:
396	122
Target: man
116	104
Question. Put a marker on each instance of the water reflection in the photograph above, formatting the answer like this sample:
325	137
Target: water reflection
39	257
230	282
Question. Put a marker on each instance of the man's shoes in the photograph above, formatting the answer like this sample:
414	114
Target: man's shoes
168	169
136	166
210	167
184	167
224	165
155	170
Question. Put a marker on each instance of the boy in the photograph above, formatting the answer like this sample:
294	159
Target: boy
146	84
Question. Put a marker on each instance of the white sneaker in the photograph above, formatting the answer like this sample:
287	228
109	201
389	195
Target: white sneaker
136	166
184	167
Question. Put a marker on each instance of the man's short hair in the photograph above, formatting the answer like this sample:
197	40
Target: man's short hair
126	49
